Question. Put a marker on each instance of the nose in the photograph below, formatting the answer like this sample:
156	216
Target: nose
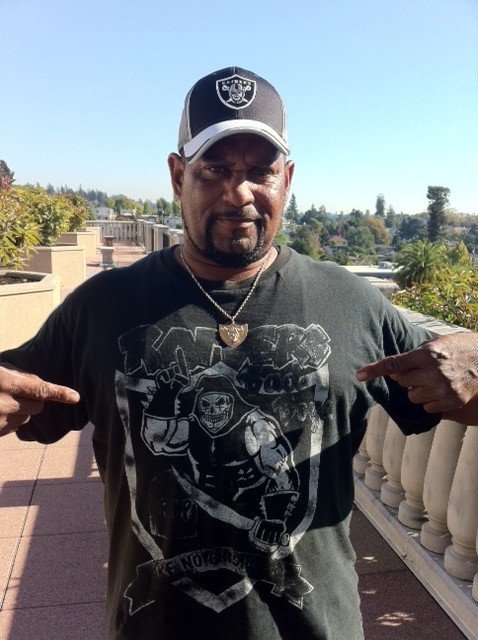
238	192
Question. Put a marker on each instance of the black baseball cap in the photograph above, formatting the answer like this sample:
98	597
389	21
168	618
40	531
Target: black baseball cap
227	102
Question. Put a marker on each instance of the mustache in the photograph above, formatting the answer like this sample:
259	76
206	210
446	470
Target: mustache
245	213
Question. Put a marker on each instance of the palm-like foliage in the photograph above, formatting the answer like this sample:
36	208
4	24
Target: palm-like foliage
420	261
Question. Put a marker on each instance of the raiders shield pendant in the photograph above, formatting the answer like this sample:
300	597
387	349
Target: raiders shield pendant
233	334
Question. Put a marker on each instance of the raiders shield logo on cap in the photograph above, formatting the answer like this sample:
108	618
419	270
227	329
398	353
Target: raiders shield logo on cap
236	92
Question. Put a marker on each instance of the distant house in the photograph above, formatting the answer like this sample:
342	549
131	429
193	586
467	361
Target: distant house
104	213
174	221
336	244
384	251
126	214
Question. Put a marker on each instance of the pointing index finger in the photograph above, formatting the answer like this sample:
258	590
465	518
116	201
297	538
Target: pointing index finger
390	365
57	393
26	385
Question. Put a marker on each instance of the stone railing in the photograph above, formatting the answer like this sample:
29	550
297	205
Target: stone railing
421	493
149	235
122	230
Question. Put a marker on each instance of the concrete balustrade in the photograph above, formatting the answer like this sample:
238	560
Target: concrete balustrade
376	428
158	236
361	459
152	236
461	559
392	492
439	475
124	231
433	480
411	511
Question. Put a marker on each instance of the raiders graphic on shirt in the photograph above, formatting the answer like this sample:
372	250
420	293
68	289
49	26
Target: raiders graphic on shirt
222	458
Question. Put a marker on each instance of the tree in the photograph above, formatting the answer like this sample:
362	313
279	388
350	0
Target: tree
313	215
355	217
340	257
176	207
391	218
147	208
6	176
281	238
411	227
471	238
307	241
292	212
164	208
360	239
120	203
420	262
379	232
459	256
438	197
380	206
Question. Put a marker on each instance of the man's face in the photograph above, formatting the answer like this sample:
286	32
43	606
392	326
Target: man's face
232	199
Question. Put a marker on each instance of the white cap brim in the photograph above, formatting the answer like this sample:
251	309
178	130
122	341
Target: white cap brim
209	136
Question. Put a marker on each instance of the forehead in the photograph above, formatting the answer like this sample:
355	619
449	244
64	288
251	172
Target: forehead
249	146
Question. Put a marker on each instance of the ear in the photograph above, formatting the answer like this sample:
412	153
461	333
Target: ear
176	170
288	174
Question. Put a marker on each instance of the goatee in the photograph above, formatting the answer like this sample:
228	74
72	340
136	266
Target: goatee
225	259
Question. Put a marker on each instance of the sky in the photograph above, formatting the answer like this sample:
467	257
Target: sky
381	95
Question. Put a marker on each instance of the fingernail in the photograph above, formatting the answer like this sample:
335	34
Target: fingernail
73	396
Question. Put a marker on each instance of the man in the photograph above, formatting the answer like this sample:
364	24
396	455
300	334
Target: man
221	380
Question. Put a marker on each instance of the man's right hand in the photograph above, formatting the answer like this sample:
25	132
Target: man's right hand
24	394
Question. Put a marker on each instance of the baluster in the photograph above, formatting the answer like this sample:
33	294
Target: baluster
361	458
411	511
461	559
392	492
438	481
376	428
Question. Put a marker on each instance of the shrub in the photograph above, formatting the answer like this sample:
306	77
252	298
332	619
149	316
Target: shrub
80	211
451	297
18	230
51	213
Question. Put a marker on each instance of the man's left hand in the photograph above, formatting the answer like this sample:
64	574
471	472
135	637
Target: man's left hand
441	374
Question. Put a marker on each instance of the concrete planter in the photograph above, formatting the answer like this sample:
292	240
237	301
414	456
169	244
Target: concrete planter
67	261
88	239
24	306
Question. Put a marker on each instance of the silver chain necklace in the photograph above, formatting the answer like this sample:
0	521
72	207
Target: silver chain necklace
232	334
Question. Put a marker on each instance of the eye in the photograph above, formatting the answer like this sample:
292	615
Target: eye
217	169
261	174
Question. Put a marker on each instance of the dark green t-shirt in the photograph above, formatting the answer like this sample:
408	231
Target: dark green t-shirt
228	472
